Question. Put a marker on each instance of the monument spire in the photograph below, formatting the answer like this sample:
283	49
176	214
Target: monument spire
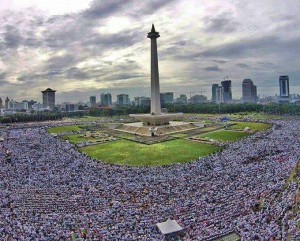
153	28
155	91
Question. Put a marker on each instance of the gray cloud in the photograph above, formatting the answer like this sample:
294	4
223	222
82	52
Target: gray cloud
249	47
126	76
3	80
3	76
102	9
219	61
153	6
12	38
243	65
267	65
60	62
76	73
213	68
223	23
41	50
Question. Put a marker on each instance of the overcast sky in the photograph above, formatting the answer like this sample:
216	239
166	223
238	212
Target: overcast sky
86	47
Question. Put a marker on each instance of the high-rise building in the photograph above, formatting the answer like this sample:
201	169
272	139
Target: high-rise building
93	101
227	94
123	99
249	91
198	99
31	103
142	101
167	98
49	98
25	105
182	99
17	106
284	87
213	93
6	102
106	99
219	95
1	103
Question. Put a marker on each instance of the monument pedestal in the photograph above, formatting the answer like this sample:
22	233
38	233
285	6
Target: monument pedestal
155	120
138	128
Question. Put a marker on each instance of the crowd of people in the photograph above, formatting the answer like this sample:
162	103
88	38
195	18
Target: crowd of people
51	191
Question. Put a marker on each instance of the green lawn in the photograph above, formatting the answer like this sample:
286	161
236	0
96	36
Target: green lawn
84	119
252	125
61	129
180	135
136	154
223	135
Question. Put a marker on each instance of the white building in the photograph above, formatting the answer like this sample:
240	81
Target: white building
17	106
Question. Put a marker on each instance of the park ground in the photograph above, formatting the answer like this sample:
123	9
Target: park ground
181	149
125	152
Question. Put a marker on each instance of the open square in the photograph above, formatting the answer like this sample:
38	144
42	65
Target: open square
125	152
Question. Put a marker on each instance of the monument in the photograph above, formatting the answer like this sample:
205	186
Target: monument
155	118
155	92
155	123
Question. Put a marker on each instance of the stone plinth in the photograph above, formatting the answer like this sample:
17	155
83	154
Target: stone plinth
155	120
138	128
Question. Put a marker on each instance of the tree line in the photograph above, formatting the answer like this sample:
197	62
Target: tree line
206	108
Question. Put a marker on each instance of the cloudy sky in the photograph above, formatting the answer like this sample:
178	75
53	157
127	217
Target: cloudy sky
86	47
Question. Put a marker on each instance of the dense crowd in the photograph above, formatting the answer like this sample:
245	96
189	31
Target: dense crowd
50	191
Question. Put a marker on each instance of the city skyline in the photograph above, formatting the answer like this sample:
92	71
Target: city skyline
91	48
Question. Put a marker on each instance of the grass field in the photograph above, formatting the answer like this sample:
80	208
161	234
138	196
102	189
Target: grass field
180	135
223	135
252	125
135	154
61	129
85	118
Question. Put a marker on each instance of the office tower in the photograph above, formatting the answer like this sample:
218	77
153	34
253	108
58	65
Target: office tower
167	98
106	99
6	102
213	92
93	101
31	103
249	91
284	87
227	94
49	98
142	101
17	106
1	103
182	99
123	99
219	95
198	99
25	105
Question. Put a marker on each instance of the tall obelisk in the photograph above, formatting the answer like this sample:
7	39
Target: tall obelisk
155	92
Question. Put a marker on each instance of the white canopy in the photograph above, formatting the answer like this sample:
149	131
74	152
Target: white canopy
170	226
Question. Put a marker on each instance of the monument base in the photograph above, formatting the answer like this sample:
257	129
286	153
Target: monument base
138	128
155	120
